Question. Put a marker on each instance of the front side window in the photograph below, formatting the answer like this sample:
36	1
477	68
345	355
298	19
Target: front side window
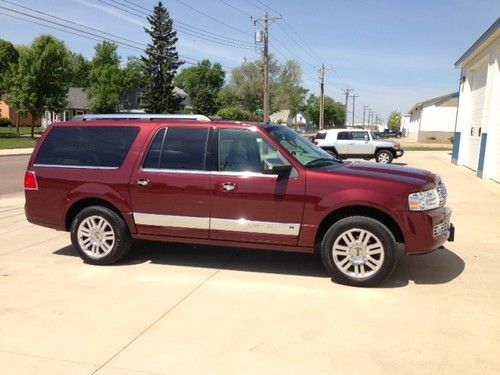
180	148
244	151
93	146
359	136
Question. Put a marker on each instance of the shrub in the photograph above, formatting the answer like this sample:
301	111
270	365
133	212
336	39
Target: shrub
5	122
231	113
451	140
431	138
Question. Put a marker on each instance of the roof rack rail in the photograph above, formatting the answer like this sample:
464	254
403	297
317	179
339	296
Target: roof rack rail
140	116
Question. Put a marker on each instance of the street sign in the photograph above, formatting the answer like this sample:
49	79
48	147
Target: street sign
259	111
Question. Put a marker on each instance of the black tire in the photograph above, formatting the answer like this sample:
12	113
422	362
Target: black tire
122	240
385	262
384	157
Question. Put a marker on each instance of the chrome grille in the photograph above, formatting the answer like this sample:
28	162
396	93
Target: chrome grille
443	194
441	229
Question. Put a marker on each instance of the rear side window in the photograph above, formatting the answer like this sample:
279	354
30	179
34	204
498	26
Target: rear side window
320	135
94	147
178	148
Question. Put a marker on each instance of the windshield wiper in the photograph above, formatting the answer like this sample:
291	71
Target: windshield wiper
320	160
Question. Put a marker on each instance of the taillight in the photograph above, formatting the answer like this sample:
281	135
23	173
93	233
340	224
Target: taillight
30	182
315	142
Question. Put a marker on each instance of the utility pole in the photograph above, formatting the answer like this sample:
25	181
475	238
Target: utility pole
346	93
265	22
322	97
364	115
353	106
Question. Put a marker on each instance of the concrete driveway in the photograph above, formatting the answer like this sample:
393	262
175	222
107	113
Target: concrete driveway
178	309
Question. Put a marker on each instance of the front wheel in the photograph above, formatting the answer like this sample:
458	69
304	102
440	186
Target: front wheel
100	235
359	251
384	157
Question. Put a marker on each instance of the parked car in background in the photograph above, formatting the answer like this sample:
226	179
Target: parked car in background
389	133
355	143
229	184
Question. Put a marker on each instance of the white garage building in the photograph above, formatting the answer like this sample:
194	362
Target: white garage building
477	133
432	119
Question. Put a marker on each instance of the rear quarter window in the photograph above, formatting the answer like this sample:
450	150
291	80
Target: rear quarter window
98	147
320	135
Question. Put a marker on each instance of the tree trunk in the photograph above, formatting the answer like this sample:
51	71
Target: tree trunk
17	125
32	126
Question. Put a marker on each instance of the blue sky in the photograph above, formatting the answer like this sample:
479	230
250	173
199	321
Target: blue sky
393	53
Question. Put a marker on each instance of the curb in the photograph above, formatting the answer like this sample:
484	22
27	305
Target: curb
16	152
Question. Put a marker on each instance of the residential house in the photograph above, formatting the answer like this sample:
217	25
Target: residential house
284	117
77	103
433	119
132	100
477	134
7	111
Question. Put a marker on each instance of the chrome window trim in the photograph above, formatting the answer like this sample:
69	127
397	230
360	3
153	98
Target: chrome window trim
75	166
213	173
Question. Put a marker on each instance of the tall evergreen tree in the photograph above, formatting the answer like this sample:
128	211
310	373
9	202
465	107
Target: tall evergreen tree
161	63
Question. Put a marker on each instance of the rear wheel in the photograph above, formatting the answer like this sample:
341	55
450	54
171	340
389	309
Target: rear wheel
359	251
384	157
100	235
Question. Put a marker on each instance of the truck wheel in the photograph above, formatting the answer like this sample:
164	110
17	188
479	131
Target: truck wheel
100	235
384	157
359	251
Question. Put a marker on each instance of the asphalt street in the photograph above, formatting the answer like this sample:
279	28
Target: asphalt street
12	170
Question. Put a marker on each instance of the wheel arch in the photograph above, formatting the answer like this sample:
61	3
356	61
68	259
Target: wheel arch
83	203
358	210
392	151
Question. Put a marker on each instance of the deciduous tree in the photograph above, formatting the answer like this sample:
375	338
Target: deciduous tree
394	120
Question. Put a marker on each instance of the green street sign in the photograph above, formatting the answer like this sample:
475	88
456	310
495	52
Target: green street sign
259	111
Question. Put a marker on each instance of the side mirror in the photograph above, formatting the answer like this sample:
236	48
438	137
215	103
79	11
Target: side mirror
275	166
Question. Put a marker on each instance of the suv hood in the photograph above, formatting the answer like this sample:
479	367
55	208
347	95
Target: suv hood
395	173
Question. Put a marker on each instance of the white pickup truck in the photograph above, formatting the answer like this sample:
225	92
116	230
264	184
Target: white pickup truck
357	143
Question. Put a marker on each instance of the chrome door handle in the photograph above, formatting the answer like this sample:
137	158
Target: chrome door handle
228	186
142	182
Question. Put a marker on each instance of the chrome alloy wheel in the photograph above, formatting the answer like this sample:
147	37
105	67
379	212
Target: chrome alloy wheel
358	253
383	158
96	237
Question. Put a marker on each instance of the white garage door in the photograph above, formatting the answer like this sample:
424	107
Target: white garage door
473	139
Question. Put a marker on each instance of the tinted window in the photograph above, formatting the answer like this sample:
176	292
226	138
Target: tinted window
181	148
344	135
320	135
153	157
87	146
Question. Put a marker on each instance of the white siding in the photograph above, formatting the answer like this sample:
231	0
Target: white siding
439	118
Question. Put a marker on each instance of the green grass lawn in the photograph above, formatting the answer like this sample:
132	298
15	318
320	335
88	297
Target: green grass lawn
23	130
14	142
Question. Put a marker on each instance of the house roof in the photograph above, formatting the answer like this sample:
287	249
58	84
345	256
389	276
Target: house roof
492	32
77	98
438	100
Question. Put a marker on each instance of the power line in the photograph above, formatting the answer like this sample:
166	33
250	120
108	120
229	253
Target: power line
193	31
83	33
235	8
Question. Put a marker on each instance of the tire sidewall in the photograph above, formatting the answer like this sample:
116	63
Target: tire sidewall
122	236
376	228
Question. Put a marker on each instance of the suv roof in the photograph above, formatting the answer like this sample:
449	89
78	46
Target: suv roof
140	116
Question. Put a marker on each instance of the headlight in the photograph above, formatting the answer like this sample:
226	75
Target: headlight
423	200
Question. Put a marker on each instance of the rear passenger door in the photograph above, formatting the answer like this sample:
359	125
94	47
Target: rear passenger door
170	189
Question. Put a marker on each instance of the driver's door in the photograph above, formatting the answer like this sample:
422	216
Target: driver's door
247	205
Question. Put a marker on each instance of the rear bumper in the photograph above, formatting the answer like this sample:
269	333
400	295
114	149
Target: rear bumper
427	231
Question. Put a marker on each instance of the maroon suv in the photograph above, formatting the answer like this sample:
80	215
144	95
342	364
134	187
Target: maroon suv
111	180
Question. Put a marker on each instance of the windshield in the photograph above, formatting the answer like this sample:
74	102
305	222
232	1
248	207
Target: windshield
305	152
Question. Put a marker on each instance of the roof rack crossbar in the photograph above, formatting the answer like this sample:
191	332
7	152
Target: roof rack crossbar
140	116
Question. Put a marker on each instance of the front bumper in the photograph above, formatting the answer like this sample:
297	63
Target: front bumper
427	231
